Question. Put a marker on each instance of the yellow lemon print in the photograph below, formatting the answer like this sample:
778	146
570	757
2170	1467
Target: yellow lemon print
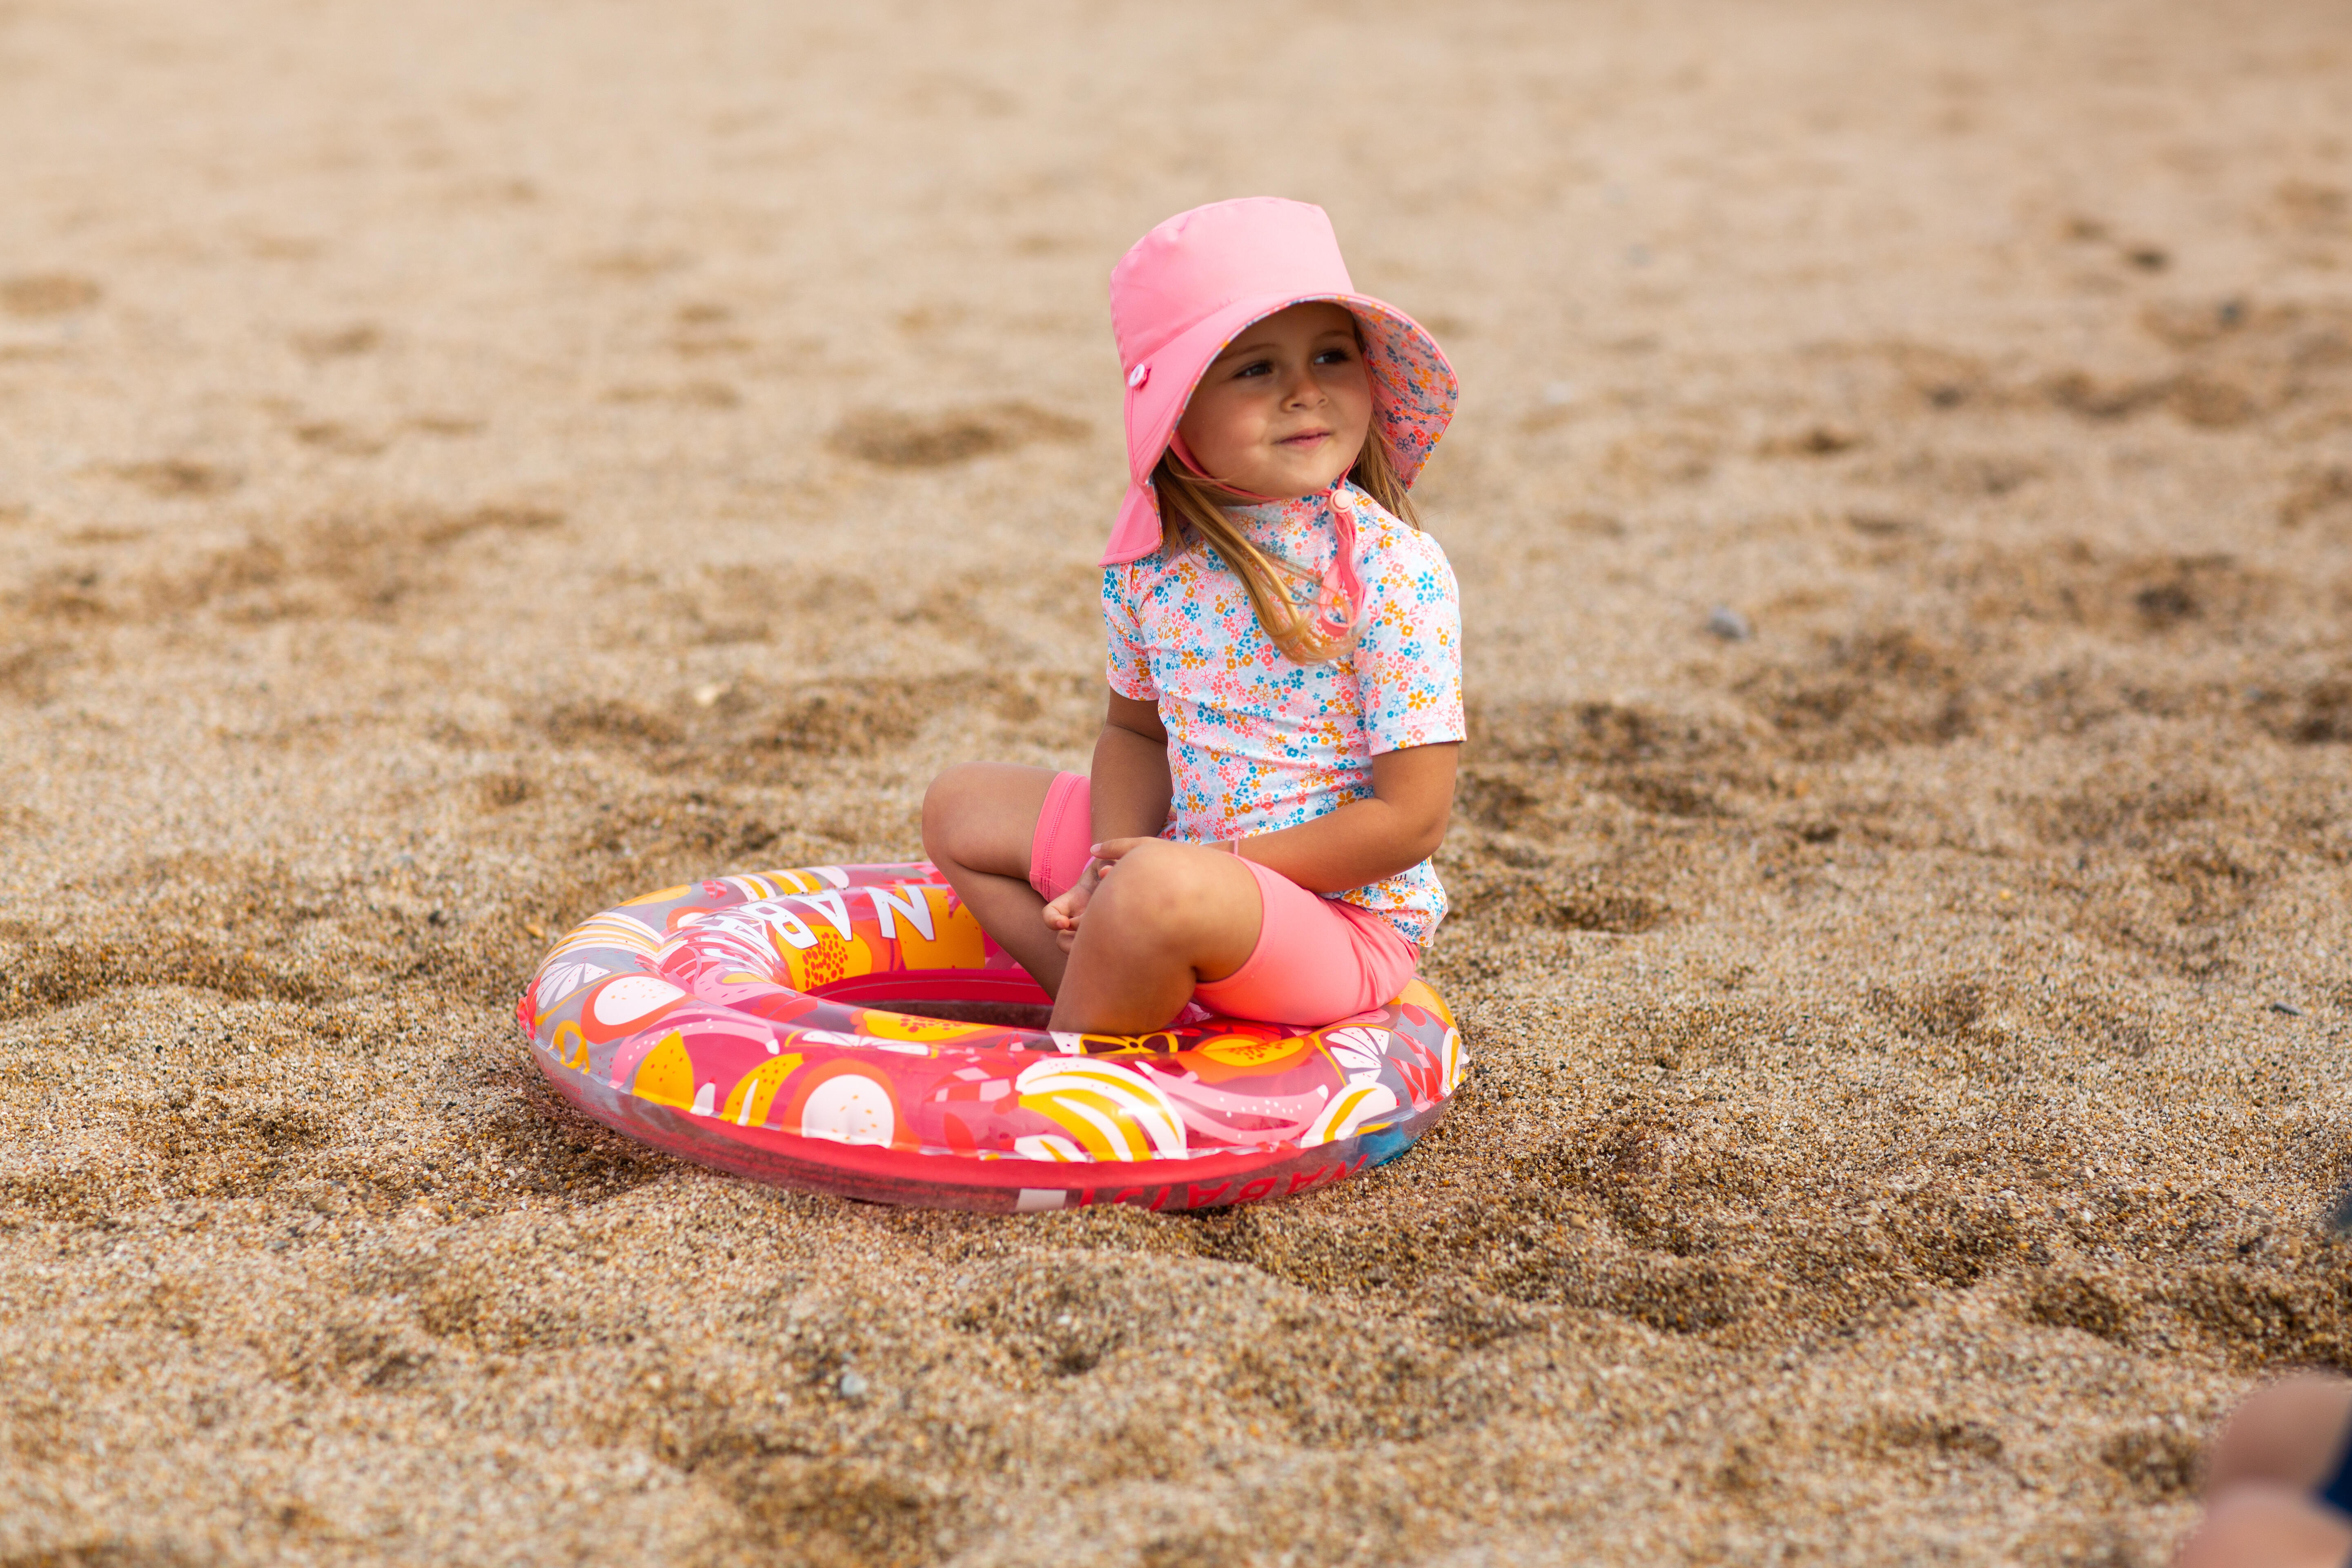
1417	993
570	1046
749	1101
666	1075
1252	1051
908	1026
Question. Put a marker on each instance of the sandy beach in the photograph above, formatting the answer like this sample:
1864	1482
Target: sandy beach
464	465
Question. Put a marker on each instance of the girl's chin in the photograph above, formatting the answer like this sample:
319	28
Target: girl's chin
1290	480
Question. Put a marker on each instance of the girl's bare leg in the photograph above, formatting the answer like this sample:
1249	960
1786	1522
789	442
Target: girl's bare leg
2292	1431
1166	917
2274	1451
2264	1525
979	819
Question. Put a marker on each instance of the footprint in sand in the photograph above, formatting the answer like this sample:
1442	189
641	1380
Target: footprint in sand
890	439
692	394
48	294
180	478
341	439
339	342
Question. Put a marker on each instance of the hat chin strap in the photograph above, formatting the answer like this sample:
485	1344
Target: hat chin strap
1340	595
1194	471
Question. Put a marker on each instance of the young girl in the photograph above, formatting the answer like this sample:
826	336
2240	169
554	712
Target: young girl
1277	764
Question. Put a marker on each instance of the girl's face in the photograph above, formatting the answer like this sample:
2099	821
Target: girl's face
1284	411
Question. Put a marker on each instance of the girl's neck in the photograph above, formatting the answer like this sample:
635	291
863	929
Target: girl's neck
1278	503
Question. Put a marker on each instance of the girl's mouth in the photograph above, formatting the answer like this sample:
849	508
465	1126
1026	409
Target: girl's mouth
1304	440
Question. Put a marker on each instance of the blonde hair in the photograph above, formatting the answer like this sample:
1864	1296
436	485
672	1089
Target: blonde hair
1188	504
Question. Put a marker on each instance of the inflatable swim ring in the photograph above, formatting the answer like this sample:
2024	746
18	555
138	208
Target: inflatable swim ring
740	1023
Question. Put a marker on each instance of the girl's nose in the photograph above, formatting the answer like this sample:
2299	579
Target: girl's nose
1301	389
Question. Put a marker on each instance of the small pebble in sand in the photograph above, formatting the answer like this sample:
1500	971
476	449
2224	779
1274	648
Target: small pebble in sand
2289	1008
852	1384
1728	624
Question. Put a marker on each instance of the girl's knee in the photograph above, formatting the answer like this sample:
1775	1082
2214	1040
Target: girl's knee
937	802
1175	886
949	801
952	826
942	788
1163	870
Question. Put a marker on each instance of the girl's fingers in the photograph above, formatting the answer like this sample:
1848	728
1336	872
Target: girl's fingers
1062	913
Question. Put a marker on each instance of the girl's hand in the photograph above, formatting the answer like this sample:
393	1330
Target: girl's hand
1109	852
1063	914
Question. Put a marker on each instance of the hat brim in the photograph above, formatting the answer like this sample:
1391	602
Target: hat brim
1414	394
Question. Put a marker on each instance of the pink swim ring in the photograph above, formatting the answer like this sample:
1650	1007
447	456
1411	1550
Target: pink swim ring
741	1023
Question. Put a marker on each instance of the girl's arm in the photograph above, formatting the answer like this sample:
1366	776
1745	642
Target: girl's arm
1363	841
1129	785
1129	790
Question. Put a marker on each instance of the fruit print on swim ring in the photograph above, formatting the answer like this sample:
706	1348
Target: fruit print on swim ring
742	1021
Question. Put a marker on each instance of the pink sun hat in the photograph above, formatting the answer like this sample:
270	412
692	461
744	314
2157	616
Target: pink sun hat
1191	285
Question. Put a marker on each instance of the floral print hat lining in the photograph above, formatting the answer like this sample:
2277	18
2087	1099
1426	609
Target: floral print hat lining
1195	283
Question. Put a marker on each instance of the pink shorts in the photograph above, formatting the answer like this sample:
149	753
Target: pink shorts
1316	959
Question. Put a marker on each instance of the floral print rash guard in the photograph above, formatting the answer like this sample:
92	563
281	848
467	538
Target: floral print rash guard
1257	740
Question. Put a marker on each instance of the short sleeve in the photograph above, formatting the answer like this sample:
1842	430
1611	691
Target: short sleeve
1128	661
1408	658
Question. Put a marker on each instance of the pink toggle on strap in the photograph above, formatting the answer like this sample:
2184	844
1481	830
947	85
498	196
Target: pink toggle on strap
1340	596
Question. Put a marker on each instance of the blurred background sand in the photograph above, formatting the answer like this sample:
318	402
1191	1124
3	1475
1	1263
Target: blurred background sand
461	465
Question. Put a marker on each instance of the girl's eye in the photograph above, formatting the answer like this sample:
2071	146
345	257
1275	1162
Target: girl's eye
1255	367
1334	357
